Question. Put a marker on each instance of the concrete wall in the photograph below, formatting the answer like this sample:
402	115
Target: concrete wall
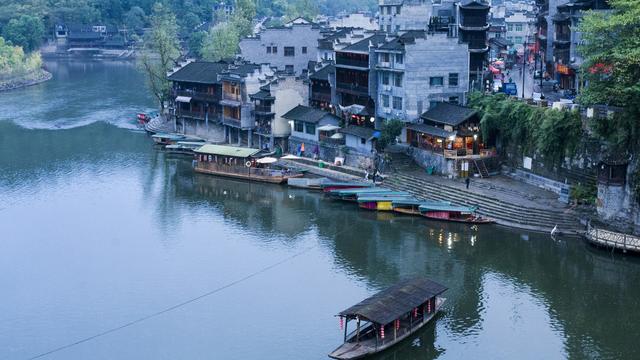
427	159
289	93
355	143
437	55
254	49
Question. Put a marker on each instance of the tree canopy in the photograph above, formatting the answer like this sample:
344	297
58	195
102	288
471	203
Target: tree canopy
25	31
611	51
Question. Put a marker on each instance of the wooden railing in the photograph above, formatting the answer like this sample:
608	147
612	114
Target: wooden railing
613	239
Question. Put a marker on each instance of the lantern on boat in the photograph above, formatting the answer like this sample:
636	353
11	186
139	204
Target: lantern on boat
341	323
382	332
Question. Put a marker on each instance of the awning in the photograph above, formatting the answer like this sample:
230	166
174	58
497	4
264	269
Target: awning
183	99
290	157
337	136
328	127
266	160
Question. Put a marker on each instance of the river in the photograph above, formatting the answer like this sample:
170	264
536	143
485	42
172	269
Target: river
102	235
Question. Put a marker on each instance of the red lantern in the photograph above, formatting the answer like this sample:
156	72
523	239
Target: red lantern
397	324
415	312
429	307
341	323
382	332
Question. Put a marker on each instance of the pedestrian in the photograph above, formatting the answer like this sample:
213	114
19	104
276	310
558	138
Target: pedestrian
467	181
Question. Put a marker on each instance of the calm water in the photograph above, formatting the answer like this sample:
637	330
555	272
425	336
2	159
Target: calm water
98	229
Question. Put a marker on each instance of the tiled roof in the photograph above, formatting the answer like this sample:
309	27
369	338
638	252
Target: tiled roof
307	114
448	114
203	72
360	131
430	130
262	95
324	73
363	45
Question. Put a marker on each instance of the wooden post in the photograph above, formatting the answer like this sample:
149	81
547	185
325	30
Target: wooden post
358	330
346	323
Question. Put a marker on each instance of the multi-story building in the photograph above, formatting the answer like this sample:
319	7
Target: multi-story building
521	30
473	23
412	76
287	48
321	92
338	39
356	80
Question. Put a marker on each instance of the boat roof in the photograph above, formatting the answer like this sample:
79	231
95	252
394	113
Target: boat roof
395	301
385	194
447	207
360	190
383	198
419	202
360	184
226	150
168	136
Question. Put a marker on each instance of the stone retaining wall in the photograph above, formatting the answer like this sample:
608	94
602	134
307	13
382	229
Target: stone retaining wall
26	80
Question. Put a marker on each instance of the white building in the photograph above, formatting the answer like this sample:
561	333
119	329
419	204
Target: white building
521	28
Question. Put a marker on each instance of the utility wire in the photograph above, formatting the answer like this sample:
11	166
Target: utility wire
174	307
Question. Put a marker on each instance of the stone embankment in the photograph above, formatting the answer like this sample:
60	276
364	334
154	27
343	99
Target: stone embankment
29	79
505	213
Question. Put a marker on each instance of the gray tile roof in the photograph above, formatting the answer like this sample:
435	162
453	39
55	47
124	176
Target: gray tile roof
430	130
203	72
363	45
307	114
359	131
324	73
448	114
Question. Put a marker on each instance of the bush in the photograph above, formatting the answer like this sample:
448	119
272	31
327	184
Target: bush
390	130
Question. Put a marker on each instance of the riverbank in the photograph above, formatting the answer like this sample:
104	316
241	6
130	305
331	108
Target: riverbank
29	79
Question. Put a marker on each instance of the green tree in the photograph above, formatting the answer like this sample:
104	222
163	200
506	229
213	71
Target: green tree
196	41
135	19
221	42
611	51
26	31
161	51
390	130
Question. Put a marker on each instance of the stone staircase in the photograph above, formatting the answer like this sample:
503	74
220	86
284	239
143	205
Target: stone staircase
504	213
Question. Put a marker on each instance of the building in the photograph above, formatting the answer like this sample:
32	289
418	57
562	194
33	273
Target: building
360	139
412	76
354	20
521	30
311	127
321	91
287	48
88	37
473	24
356	81
338	39
402	15
448	140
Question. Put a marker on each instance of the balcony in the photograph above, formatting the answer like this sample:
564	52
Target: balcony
478	46
196	95
352	63
352	88
263	129
198	115
562	38
263	110
319	96
474	23
231	99
227	120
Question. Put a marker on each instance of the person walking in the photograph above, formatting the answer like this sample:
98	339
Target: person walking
467	181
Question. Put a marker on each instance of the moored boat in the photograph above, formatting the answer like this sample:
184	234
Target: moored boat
307	183
330	186
381	202
454	213
241	163
352	194
183	147
388	317
412	206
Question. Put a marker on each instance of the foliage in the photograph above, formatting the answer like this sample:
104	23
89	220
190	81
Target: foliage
135	19
551	133
162	42
584	194
390	130
14	62
25	31
309	8
196	41
221	42
611	51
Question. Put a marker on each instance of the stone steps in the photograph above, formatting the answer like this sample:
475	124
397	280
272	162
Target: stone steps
505	213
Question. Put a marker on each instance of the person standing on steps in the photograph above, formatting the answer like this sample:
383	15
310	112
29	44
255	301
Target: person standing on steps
467	181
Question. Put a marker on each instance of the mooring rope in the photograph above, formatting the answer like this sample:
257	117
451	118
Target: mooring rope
176	306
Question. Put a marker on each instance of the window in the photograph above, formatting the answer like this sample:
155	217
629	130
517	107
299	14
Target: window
289	51
398	9
399	58
311	128
388	28
518	40
397	80
384	57
509	27
268	49
298	126
385	78
435	81
397	28
274	49
453	79
385	101
510	38
518	27
363	141
304	49
288	69
454	99
397	103
382	27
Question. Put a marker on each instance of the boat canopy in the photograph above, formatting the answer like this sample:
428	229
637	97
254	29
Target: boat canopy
395	301
358	184
418	202
391	198
168	136
267	160
225	150
361	190
449	207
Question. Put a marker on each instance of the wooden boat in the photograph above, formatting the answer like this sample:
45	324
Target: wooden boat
170	139
307	183
448	212
144	118
389	317
386	194
351	194
381	202
330	186
240	163
183	147
412	206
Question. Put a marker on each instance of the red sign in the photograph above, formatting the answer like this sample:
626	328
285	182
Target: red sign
563	69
